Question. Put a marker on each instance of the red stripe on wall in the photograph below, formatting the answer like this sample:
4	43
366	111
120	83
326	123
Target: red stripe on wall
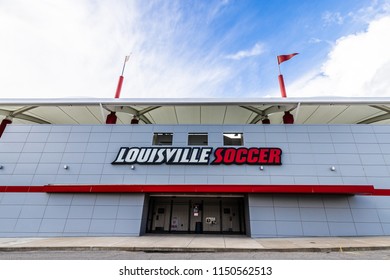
324	189
297	189
22	188
381	192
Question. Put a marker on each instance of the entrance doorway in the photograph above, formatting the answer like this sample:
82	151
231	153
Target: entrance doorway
176	214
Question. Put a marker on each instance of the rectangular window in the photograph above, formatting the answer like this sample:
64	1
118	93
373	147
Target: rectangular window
198	139
162	138
233	139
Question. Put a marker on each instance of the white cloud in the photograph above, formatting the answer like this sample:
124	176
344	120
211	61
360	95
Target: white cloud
314	40
256	50
332	18
375	10
76	48
358	65
57	49
68	48
217	8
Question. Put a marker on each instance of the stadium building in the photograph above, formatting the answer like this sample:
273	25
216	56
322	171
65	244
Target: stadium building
256	167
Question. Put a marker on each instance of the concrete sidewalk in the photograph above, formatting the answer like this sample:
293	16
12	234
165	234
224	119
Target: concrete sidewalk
196	243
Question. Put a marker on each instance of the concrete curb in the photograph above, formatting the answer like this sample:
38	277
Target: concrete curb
194	244
192	250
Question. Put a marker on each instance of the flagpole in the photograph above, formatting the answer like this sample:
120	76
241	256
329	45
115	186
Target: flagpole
281	81
280	59
121	78
282	86
119	87
124	63
111	117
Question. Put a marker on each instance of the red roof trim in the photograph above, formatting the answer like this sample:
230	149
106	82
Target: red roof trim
298	189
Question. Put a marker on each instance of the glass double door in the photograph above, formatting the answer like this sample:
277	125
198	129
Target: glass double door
196	215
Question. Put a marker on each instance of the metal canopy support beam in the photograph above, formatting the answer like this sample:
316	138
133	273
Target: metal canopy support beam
147	110
253	109
32	119
22	110
272	109
23	117
256	119
376	119
297	112
132	111
5	112
381	107
259	114
102	112
145	119
142	113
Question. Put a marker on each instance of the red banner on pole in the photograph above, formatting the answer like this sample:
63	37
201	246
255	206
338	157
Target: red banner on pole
285	57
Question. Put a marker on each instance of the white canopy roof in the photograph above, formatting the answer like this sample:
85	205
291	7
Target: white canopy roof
327	110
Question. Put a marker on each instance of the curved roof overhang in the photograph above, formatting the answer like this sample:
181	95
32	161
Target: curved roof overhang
198	111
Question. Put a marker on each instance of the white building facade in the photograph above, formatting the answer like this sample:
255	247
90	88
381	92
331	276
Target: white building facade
261	180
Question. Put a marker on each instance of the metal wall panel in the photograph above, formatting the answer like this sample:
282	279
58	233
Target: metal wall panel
35	155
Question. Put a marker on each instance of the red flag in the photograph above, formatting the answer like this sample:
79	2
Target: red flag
285	57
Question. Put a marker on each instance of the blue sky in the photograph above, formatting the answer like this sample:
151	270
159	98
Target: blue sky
203	48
